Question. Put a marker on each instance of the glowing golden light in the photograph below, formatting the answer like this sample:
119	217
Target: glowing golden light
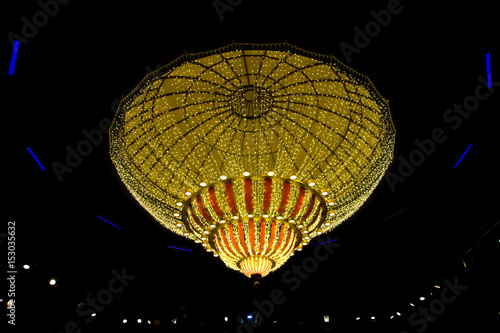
247	148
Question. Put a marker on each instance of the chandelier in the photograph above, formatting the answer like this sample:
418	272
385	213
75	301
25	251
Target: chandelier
252	150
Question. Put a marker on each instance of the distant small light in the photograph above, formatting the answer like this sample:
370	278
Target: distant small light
223	177
307	237
124	321
188	192
235	217
270	173
331	213
291	221
265	216
209	250
301	226
176	214
197	241
206	232
422	298
212	226
26	266
94	314
249	316
392	317
203	183
216	254
326	318
226	318
412	304
186	233
52	282
203	238
311	183
293	176
436	286
179	224
358	318
372	318
250	215
149	322
139	320
331	202
328	223
324	192
280	217
178	203
246	173
222	221
398	313
304	244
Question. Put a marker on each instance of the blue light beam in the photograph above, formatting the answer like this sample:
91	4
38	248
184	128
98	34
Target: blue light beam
333	240
13	59
108	222
461	157
179	248
36	159
488	70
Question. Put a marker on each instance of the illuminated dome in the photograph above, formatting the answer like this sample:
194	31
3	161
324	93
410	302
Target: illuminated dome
252	150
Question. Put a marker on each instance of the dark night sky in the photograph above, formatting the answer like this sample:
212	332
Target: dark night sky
426	59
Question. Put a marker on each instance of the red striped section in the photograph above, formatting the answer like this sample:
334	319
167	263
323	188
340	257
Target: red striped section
287	242
251	226
195	218
226	243
284	198
242	238
248	195
233	240
230	198
213	201
262	235
309	210
271	240
268	189
300	202
202	210
282	234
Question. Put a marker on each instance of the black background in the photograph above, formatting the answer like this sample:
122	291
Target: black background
81	61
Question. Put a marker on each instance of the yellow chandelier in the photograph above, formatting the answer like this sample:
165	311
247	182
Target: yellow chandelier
252	150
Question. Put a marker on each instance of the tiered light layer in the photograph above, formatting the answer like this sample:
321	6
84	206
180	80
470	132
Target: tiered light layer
252	222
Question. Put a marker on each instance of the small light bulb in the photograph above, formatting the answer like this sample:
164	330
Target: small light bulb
223	177
270	173
246	173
